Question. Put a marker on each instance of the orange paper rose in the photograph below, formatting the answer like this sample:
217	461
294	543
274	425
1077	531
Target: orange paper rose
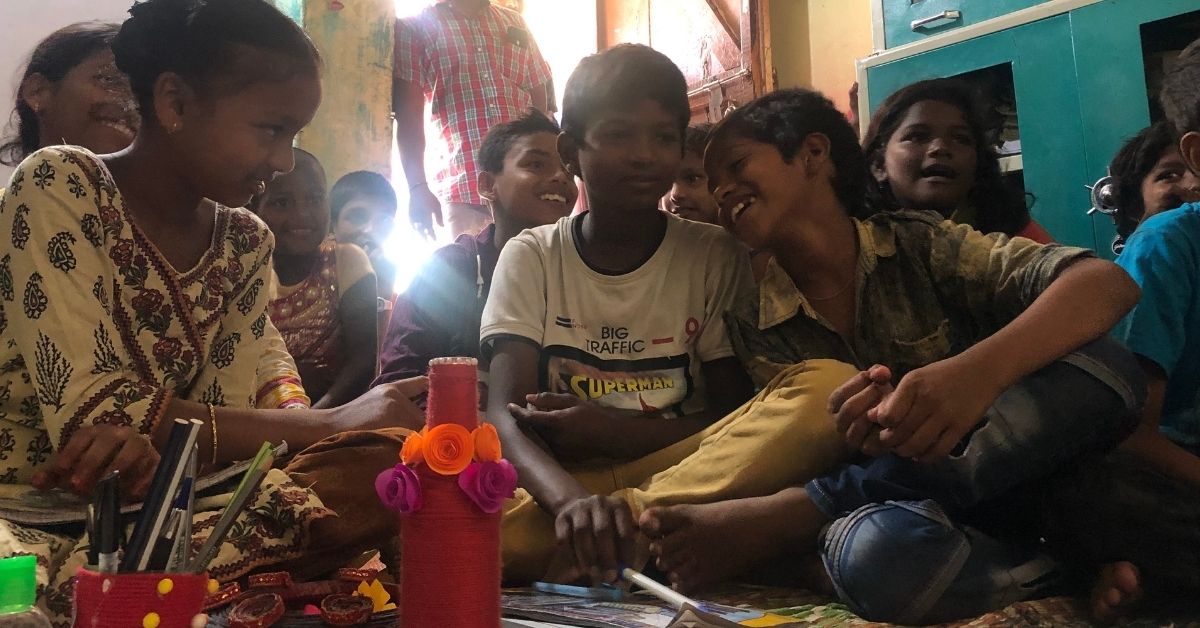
448	449
410	453
487	443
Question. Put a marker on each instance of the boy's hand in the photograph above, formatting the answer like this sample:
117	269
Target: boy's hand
850	403
93	452
599	531
933	408
574	429
424	209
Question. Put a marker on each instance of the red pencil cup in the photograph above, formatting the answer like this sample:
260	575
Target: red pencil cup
146	599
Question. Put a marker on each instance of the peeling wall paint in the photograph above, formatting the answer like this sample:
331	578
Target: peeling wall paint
353	128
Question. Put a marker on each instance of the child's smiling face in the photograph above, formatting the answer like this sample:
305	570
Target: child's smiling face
629	157
239	138
1169	184
296	207
91	106
533	188
690	197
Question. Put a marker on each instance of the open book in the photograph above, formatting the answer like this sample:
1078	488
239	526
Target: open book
23	504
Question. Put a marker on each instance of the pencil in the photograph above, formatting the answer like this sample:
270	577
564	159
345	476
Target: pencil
250	482
660	591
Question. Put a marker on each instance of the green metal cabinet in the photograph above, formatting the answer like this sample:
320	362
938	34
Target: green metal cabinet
1080	87
1044	79
899	16
1112	81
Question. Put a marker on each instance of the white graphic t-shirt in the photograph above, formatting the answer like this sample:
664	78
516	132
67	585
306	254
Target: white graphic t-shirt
634	341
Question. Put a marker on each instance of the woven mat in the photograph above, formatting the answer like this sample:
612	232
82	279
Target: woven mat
811	609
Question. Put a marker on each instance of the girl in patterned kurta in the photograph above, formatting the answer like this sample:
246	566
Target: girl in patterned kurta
105	339
322	292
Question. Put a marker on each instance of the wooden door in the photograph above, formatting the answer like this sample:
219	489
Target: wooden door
720	45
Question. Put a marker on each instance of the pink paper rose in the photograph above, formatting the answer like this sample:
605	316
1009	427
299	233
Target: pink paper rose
399	488
488	484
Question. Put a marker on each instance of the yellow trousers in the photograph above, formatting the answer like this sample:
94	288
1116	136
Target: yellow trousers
782	437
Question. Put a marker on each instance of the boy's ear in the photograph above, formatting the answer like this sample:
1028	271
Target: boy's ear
814	152
568	151
36	91
487	185
173	98
1189	147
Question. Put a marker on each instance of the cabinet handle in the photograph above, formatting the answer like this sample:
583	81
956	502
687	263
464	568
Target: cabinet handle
951	14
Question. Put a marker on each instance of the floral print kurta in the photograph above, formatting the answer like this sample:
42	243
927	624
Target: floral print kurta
97	327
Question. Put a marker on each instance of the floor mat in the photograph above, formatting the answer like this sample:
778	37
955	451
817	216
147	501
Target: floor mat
811	609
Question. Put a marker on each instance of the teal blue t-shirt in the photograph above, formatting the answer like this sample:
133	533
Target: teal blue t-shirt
1163	257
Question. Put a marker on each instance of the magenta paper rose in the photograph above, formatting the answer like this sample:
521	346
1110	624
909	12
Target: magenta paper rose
399	488
488	484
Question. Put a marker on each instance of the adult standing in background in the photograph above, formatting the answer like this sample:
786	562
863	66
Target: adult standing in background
476	64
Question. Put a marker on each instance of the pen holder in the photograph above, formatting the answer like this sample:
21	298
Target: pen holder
146	599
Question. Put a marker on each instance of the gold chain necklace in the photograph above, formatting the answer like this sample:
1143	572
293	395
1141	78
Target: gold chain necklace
840	291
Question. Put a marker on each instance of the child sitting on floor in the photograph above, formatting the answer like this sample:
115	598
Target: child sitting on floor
980	369
138	296
1151	178
1136	511
611	368
322	291
927	149
689	196
523	179
362	205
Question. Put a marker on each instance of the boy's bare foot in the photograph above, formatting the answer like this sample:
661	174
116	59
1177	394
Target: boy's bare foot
701	545
1117	589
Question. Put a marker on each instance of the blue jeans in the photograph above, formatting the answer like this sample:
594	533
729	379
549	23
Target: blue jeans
890	510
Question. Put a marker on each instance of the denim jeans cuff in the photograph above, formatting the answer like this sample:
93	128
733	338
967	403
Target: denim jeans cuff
821	498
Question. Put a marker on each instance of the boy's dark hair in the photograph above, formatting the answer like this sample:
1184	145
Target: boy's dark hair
785	118
618	77
501	137
696	138
53	58
360	183
1131	165
997	206
1180	95
199	40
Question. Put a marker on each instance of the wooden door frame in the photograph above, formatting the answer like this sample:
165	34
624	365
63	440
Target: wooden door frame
754	41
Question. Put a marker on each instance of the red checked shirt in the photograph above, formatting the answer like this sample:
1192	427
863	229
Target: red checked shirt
476	72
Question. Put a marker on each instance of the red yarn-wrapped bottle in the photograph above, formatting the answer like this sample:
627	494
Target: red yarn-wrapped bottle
450	548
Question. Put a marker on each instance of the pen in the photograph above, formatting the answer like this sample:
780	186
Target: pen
108	522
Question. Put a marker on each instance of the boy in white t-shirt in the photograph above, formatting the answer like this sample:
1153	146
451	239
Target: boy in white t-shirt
606	346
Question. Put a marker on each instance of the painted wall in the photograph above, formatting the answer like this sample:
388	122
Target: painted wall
790	43
353	127
839	33
27	22
816	42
